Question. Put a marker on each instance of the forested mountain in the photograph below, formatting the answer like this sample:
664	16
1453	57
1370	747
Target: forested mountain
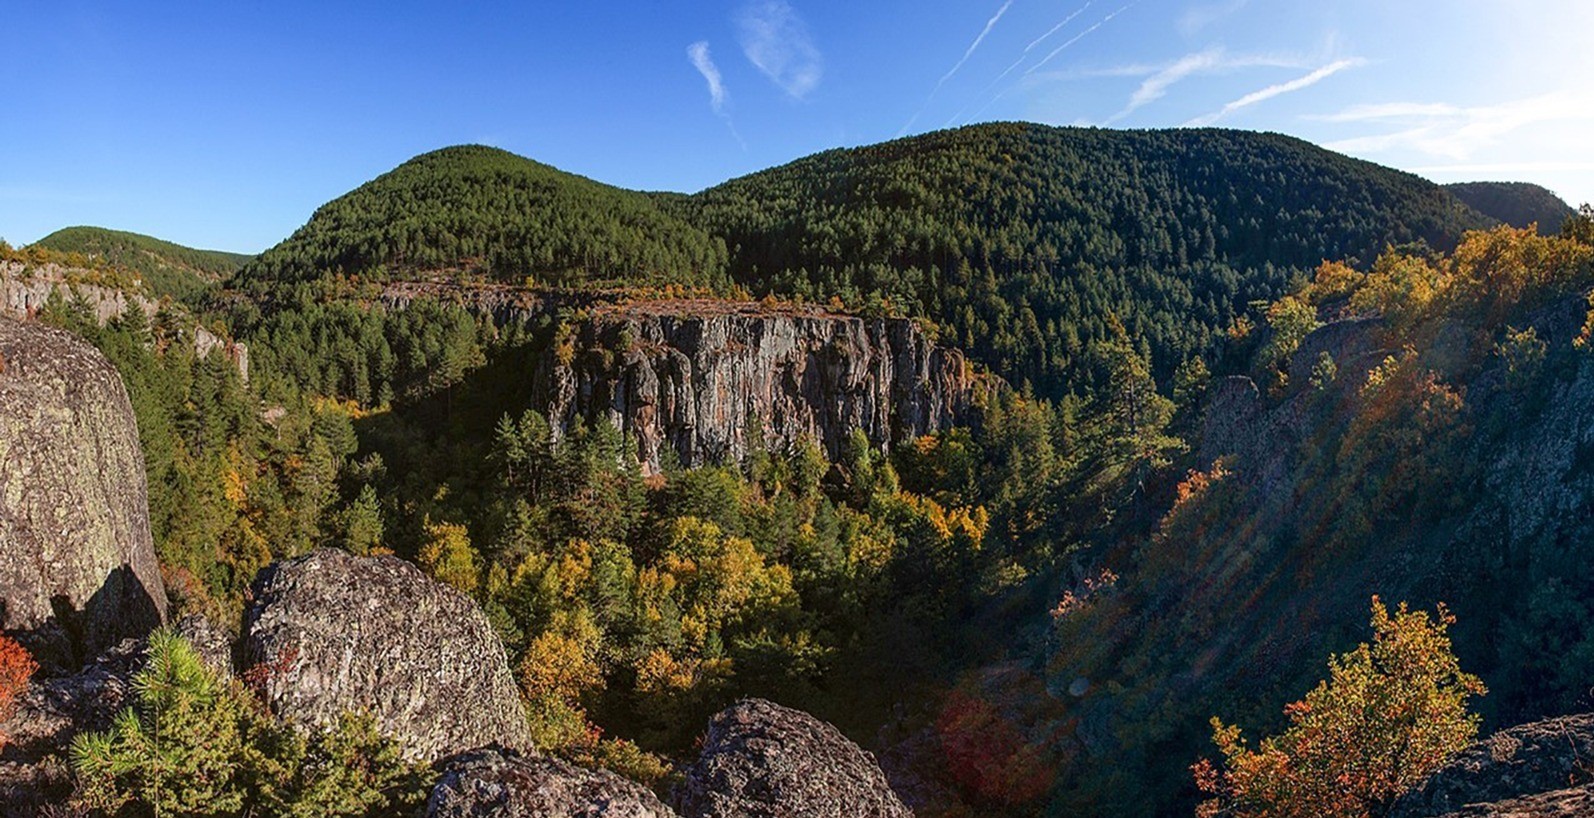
481	211
167	269
1230	445
1518	204
1021	240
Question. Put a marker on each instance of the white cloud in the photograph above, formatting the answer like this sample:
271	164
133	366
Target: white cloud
1202	15
704	63
1054	29
776	41
1159	80
1077	37
1455	133
1279	89
1016	63
1505	167
989	24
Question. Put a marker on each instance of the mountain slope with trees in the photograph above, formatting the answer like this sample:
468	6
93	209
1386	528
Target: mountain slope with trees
485	212
1020	240
1518	204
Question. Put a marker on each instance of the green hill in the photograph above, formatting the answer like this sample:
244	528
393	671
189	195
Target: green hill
1518	204
483	211
167	269
1020	239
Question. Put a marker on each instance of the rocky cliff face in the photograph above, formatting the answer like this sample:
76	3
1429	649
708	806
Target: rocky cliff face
77	563
25	290
761	759
330	633
697	376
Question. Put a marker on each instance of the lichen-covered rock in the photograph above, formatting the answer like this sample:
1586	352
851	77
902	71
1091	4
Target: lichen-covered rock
491	782
1532	759
330	633
77	563
692	375
761	760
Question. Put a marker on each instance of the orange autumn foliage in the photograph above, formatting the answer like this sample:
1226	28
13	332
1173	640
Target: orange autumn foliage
16	670
1388	716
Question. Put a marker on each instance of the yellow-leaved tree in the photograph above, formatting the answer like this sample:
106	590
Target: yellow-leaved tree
1387	717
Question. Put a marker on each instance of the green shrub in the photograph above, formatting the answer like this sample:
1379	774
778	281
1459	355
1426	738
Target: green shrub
193	744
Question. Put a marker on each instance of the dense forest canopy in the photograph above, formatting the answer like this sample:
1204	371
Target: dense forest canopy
1518	204
1016	241
477	210
1020	240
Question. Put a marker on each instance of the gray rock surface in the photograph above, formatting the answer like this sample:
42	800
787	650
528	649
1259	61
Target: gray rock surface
689	375
77	564
494	783
1522	766
761	760
1577	802
329	633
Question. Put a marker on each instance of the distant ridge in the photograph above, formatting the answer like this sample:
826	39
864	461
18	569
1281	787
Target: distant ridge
1518	204
167	269
1023	241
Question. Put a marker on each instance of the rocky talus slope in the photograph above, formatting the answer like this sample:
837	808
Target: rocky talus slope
699	376
761	760
330	633
77	563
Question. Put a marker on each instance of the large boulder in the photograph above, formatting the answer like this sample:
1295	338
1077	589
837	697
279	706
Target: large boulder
761	760
330	633
1542	764
500	784
77	564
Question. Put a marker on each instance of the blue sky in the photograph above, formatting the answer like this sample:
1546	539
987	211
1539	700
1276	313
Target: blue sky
225	125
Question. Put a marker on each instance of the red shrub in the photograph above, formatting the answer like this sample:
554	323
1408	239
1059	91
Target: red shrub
16	669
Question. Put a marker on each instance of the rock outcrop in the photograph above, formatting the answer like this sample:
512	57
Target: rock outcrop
1577	802
329	633
77	563
695	375
1541	768
25	290
761	760
491	782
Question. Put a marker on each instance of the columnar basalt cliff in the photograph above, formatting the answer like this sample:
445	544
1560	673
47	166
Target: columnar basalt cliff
77	563
699	376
